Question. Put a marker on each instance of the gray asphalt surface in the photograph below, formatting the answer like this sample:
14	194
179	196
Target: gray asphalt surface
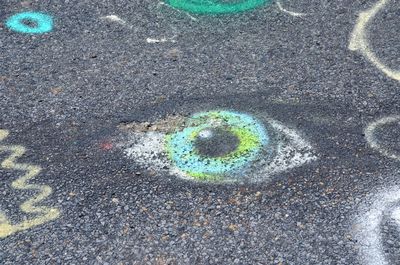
63	95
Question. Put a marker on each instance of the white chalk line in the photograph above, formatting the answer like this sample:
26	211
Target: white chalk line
161	40
369	135
359	40
151	40
292	13
116	19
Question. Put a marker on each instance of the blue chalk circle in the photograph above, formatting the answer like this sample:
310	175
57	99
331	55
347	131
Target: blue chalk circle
42	23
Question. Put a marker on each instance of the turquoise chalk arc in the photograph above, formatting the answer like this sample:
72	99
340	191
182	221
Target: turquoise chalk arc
44	23
216	6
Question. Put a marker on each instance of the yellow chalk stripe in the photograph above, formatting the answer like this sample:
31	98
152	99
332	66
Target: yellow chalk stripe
359	39
45	214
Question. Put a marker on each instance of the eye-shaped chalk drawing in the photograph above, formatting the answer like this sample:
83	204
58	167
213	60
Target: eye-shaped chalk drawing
359	39
384	211
30	23
216	6
217	146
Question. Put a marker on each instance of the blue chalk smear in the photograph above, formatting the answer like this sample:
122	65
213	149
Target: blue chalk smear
44	23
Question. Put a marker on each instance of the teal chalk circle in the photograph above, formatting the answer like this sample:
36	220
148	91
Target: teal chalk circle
183	153
216	6
43	23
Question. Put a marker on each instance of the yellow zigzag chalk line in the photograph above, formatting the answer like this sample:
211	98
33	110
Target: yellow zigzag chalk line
359	39
45	214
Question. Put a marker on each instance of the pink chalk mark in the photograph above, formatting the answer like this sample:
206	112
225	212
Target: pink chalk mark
106	145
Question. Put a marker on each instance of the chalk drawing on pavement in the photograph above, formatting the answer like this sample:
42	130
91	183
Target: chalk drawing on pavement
379	145
217	146
292	13
359	39
368	226
216	6
160	40
43	214
114	18
223	7
216	143
30	23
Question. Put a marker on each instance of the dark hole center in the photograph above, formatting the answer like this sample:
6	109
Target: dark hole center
30	23
218	142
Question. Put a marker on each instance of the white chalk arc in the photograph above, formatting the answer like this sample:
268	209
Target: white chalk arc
372	141
292	13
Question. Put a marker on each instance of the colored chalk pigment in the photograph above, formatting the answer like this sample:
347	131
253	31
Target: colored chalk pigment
30	23
215	144
216	6
218	146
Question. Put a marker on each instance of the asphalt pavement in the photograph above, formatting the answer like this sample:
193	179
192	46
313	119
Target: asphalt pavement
200	132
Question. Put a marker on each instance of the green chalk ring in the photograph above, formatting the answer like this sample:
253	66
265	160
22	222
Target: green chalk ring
182	152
